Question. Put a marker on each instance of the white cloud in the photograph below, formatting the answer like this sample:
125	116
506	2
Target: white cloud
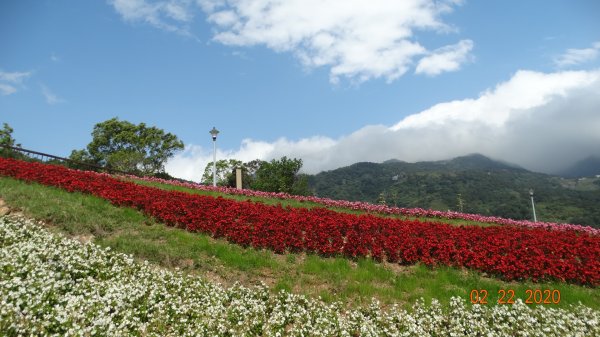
10	81
15	77
359	40
172	15
191	163
541	121
6	89
178	11
50	97
523	92
578	56
448	58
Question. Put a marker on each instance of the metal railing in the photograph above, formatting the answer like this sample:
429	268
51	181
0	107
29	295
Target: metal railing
45	157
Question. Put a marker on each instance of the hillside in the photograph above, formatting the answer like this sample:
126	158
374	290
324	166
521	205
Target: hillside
75	289
328	264
482	185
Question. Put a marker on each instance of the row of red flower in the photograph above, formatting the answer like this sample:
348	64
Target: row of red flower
365	206
507	251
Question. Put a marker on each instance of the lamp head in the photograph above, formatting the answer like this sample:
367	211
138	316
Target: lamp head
214	132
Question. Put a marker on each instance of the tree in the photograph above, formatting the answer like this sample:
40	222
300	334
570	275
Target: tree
460	202
381	198
6	139
225	172
79	159
281	176
300	186
251	167
274	176
128	147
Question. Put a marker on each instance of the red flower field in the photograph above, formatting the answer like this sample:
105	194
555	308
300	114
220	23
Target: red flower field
509	252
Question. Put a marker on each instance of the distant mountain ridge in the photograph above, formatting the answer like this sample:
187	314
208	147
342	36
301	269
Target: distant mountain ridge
472	184
588	167
473	162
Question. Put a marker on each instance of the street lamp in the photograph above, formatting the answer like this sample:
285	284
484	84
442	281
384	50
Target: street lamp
532	204
214	132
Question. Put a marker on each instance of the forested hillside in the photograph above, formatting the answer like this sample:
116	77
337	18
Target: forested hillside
472	184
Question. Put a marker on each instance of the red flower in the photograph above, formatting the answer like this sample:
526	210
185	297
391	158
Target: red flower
510	251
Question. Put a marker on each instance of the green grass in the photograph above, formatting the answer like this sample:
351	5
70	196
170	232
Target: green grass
354	282
303	204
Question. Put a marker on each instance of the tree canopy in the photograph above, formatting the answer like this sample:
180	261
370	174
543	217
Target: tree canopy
129	147
6	139
281	175
225	171
277	175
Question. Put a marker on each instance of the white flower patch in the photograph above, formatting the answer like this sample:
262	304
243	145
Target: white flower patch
54	286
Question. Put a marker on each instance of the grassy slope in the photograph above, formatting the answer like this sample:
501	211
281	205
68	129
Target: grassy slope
354	282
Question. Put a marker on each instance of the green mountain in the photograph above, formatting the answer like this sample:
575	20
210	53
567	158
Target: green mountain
473	184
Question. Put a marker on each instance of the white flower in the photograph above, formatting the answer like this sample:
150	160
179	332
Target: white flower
51	285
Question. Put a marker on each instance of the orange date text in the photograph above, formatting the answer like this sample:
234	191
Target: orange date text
507	296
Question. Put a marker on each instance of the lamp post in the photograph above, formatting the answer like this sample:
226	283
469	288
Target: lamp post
214	132
532	205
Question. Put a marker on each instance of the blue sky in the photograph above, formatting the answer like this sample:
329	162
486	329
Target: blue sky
331	82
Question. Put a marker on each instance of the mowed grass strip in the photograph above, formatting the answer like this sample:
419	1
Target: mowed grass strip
353	282
303	204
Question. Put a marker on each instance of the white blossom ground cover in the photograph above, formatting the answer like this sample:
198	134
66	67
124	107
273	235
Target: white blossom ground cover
54	286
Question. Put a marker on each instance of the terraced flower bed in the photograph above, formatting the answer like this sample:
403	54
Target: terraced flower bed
383	209
510	252
54	286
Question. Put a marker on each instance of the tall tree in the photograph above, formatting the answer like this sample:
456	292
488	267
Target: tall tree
281	176
129	147
278	175
6	139
225	171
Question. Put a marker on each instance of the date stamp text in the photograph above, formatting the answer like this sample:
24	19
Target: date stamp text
507	296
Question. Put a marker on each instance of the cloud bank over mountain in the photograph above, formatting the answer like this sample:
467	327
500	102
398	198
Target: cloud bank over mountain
541	121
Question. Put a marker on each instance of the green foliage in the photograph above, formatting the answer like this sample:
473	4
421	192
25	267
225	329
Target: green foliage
128	147
381	199
225	172
300	186
353	282
6	139
79	159
274	176
249	172
472	184
281	176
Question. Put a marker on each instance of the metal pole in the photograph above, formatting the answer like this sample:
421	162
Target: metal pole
215	161
214	132
532	205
